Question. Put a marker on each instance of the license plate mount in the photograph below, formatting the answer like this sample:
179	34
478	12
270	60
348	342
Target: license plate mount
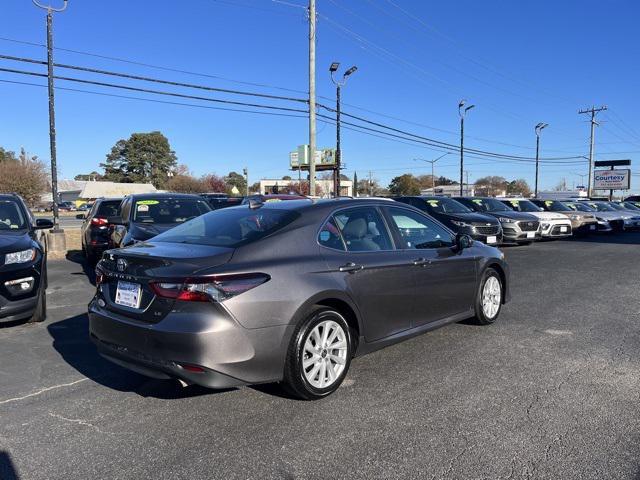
128	294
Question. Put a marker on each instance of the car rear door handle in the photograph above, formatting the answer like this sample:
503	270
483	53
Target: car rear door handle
351	267
421	261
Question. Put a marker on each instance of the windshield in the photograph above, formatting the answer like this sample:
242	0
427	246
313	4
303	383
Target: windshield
229	227
446	205
169	210
630	206
555	206
580	207
601	207
490	205
523	205
11	216
617	206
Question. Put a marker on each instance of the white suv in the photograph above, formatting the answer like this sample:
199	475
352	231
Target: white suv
552	225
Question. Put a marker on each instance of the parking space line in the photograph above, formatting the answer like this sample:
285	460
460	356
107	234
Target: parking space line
43	390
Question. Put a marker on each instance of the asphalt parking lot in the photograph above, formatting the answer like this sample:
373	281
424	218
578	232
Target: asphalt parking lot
549	391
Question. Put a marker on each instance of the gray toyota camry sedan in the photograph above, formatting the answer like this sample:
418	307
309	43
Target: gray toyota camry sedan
288	292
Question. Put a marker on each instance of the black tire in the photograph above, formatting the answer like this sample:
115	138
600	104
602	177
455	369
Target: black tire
40	313
481	317
295	381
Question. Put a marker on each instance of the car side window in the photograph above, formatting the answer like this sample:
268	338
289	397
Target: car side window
417	231
126	208
330	236
363	229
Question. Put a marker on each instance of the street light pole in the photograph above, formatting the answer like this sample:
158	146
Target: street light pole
339	84
462	111
52	115
539	127
433	175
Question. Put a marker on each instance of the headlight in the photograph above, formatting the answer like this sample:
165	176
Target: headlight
506	220
20	257
458	223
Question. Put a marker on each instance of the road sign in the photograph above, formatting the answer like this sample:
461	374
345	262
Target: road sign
612	179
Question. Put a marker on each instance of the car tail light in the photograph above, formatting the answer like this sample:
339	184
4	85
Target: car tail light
206	289
98	221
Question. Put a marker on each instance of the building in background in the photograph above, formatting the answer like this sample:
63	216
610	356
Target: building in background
270	186
81	191
468	190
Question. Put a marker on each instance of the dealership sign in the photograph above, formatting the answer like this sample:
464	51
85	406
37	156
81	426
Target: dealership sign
612	179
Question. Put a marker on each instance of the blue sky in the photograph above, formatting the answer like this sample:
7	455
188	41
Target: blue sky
520	63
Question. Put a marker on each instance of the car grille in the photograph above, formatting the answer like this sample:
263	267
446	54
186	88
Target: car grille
617	224
487	230
528	226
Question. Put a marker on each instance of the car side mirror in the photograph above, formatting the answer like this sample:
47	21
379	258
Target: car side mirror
116	220
463	241
43	223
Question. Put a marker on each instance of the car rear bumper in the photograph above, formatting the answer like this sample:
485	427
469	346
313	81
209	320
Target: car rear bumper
227	353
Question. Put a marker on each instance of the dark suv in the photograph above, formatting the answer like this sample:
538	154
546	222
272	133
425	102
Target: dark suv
144	216
23	262
459	218
95	229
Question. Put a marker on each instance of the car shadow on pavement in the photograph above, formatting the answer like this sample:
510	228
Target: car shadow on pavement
622	238
76	256
71	341
7	470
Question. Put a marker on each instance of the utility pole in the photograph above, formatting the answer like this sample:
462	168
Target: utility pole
370	185
312	97
593	111
52	114
245	170
462	111
539	128
355	184
339	84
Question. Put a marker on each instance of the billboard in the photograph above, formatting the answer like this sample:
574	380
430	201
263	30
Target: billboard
300	157
612	179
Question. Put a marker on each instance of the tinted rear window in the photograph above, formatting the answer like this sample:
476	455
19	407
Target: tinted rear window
229	227
168	210
108	208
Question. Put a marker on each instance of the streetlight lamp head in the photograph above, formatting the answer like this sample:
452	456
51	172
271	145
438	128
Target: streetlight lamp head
350	71
469	108
462	103
334	66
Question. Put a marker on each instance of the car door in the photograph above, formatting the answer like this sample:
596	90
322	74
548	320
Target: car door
358	249
445	280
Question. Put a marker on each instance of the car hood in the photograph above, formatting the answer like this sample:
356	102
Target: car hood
548	216
146	231
609	215
471	217
14	241
513	215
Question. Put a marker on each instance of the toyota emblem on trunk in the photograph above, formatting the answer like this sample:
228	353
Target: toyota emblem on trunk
121	264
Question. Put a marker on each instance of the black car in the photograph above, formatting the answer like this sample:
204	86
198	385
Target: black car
517	227
633	198
23	262
459	218
221	200
144	216
95	229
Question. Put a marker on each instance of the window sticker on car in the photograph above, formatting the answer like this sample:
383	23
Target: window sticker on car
148	202
548	203
433	203
477	201
514	203
143	208
325	236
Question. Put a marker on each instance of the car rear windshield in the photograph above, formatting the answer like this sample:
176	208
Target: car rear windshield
168	210
446	205
229	227
490	205
11	216
108	208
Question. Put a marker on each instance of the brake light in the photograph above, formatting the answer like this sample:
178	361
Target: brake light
216	288
99	221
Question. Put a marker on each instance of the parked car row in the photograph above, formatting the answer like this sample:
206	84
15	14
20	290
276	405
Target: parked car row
284	288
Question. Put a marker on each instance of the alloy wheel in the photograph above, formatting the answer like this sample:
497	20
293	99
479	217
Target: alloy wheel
324	354
491	297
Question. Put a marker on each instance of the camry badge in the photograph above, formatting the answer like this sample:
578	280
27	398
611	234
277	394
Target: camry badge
121	264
